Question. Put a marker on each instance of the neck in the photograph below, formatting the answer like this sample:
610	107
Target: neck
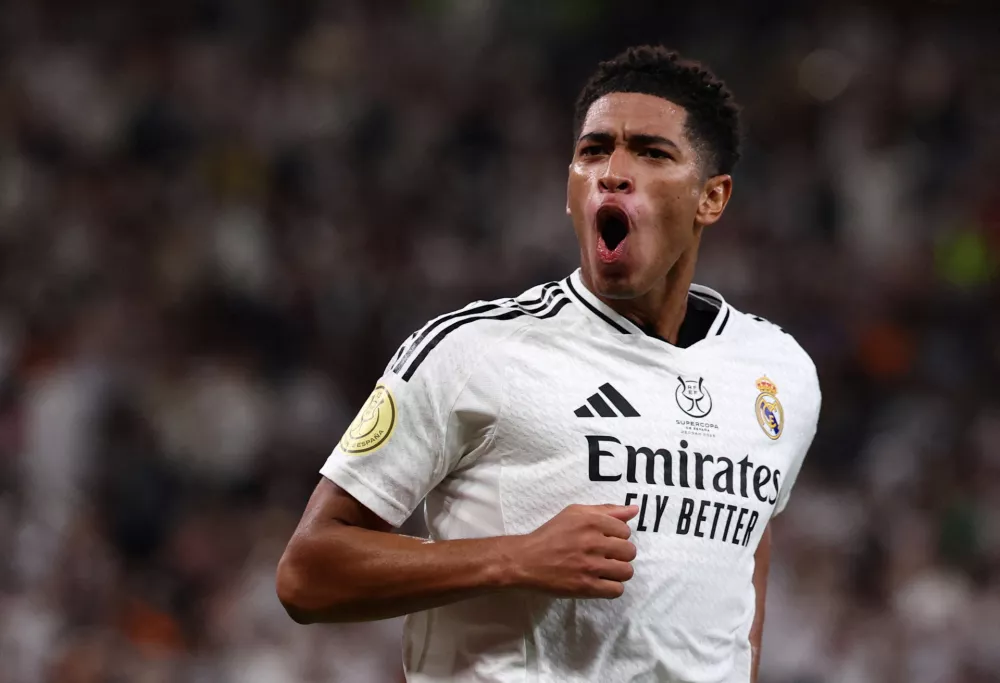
660	310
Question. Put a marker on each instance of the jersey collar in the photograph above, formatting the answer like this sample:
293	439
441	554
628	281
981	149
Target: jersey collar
598	310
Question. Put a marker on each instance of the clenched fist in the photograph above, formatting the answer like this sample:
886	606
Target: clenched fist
582	552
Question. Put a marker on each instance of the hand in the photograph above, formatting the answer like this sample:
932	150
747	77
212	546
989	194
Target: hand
582	552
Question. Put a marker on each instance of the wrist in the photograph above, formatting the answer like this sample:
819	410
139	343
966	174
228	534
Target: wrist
504	568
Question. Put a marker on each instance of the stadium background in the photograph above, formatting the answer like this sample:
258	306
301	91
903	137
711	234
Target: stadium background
218	218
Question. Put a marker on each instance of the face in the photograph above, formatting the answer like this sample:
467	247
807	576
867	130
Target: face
637	194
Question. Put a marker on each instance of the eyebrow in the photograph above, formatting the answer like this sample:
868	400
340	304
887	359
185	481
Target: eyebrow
639	139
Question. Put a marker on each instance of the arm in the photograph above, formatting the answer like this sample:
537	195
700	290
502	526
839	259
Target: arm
343	564
762	564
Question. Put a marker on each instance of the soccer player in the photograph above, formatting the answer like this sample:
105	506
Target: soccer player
600	456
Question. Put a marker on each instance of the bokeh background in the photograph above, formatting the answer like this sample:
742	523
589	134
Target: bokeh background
218	219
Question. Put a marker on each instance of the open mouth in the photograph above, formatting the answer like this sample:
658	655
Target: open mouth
612	228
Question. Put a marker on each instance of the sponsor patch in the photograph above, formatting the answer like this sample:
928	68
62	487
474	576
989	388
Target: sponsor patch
374	424
693	398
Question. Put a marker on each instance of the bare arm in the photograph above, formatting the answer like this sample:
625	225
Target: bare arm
343	564
762	565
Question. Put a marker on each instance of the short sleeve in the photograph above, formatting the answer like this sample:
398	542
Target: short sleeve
426	412
804	437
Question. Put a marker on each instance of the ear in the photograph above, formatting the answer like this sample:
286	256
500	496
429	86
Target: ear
714	198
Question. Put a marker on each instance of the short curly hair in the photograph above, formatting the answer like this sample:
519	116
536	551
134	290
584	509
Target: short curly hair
713	117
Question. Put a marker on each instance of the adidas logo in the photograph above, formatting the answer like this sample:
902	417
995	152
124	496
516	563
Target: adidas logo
601	407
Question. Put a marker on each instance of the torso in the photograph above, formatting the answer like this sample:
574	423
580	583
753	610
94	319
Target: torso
691	441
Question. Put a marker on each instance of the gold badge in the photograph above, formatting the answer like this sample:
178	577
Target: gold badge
770	414
374	424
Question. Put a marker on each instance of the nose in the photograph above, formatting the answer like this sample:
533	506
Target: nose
613	180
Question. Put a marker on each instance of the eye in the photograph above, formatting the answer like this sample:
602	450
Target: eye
654	153
591	150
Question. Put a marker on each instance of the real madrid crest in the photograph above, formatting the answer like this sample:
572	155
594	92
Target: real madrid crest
770	414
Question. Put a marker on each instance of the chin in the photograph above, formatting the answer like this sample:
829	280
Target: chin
615	281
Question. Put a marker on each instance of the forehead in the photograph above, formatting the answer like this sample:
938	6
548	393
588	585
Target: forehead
633	113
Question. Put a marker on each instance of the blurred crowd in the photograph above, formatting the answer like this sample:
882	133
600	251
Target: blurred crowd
219	218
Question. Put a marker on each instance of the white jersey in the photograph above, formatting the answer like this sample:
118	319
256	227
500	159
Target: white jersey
503	413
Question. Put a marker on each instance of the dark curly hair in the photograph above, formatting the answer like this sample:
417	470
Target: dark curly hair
713	117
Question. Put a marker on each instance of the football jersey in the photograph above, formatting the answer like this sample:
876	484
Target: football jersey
500	415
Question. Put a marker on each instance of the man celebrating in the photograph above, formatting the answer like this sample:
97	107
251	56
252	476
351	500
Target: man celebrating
600	456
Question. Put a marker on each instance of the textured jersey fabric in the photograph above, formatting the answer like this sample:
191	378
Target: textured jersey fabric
500	415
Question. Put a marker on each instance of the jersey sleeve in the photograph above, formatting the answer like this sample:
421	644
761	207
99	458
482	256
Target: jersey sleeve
812	400
435	403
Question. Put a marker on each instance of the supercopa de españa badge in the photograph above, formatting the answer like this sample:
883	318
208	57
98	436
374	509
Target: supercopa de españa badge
374	424
770	414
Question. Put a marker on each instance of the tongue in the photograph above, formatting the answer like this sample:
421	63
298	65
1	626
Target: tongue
607	254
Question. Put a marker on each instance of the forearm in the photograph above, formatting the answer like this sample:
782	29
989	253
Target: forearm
343	573
343	564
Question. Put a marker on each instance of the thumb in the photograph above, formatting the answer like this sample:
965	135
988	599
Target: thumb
622	512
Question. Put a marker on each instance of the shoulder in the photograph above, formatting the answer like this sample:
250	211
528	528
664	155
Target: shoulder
454	343
763	339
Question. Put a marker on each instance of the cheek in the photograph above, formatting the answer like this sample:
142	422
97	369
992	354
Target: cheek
576	197
576	188
679	199
672	207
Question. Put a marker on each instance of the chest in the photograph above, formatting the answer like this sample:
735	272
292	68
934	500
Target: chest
685	434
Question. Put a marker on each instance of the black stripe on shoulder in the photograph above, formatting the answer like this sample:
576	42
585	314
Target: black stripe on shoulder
708	296
550	297
437	323
403	348
723	325
710	300
609	321
445	331
545	293
408	347
765	320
